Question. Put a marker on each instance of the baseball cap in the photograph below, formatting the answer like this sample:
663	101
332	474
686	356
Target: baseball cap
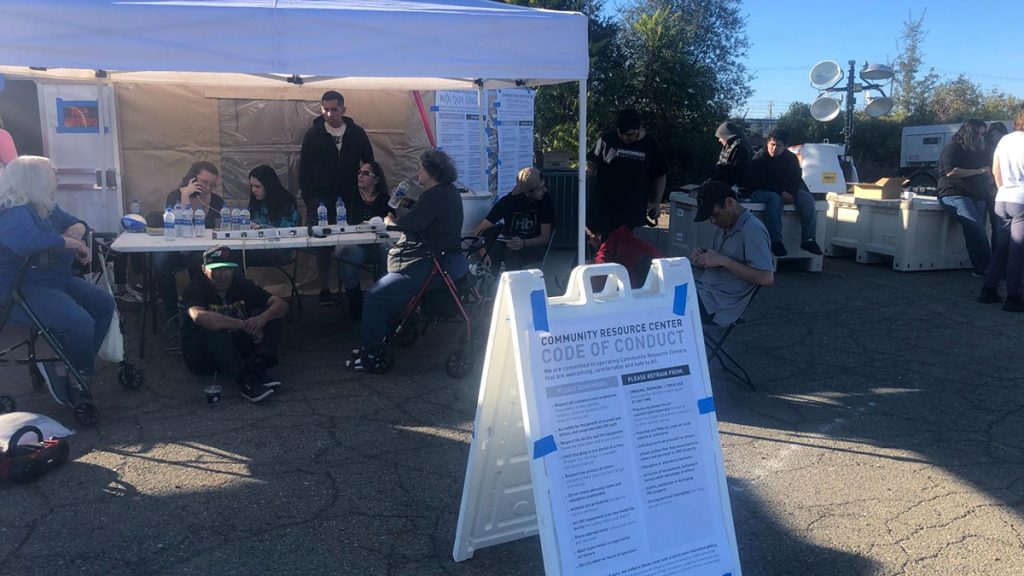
218	257
712	193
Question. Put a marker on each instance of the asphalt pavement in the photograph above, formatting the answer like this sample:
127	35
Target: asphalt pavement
886	436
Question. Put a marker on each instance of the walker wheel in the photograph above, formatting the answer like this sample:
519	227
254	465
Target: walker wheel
129	377
379	361
7	404
457	366
87	414
406	334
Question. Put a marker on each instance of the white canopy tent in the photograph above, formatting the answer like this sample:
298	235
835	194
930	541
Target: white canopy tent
364	44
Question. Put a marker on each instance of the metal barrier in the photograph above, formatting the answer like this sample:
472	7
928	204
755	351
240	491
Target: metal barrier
563	187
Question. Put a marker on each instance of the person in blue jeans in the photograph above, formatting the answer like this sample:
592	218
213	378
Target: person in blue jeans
776	179
32	225
1008	260
434	222
964	178
371	201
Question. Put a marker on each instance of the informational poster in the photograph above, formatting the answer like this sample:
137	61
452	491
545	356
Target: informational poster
620	405
459	130
513	108
621	439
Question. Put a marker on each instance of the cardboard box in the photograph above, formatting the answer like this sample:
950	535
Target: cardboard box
883	189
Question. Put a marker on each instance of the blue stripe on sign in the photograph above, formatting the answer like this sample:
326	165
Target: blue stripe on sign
434	108
540	310
705	405
679	301
544	446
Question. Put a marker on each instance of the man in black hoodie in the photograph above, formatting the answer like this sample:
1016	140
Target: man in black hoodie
776	179
332	151
734	160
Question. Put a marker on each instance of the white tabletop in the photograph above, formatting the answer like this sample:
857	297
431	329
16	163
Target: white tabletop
141	242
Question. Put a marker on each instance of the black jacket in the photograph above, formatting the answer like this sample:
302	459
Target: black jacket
734	162
778	174
324	172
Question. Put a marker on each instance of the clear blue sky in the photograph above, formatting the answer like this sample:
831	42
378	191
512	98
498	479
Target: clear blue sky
787	37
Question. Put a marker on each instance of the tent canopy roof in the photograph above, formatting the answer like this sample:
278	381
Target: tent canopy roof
423	44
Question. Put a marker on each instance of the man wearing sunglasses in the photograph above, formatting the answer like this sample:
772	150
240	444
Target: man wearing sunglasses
630	169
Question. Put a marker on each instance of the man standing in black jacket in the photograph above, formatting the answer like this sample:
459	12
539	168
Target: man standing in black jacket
332	151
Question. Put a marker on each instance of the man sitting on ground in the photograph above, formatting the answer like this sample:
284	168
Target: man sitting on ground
738	261
776	179
232	326
527	214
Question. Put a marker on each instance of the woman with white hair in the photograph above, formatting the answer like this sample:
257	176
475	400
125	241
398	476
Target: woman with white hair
8	151
76	312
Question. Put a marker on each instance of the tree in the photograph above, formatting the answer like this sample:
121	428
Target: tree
910	93
999	106
955	101
684	73
557	106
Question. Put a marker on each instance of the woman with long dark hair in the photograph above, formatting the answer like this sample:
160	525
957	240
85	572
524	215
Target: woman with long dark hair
1008	172
271	205
964	188
370	202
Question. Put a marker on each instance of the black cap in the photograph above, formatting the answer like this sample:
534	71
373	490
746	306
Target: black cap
218	257
712	193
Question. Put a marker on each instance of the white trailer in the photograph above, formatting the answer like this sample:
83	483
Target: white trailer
920	148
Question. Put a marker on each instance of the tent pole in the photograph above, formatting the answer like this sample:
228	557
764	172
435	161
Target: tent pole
581	239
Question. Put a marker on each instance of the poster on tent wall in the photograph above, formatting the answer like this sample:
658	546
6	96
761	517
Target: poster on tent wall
513	108
459	129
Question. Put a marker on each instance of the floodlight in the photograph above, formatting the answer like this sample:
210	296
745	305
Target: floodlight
824	109
872	72
878	106
826	74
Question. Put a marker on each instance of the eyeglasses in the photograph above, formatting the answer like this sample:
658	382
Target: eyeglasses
367	173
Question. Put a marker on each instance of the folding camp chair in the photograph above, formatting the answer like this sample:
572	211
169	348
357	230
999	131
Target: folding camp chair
715	350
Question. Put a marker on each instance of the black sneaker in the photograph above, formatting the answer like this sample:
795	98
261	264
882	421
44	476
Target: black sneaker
976	274
779	249
56	378
254	392
265	379
326	298
811	246
989	295
1013	304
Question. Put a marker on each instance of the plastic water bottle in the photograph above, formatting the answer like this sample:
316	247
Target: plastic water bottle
187	225
199	222
321	215
236	218
177	218
169	224
342	213
135	209
398	194
244	218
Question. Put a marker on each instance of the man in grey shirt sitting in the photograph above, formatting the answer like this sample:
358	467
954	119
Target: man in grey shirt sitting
739	259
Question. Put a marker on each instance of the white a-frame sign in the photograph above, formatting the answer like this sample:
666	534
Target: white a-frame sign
596	427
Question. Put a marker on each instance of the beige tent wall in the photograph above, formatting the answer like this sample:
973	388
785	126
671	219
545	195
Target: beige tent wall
163	129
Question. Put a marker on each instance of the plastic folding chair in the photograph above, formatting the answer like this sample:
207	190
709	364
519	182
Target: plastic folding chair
716	350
